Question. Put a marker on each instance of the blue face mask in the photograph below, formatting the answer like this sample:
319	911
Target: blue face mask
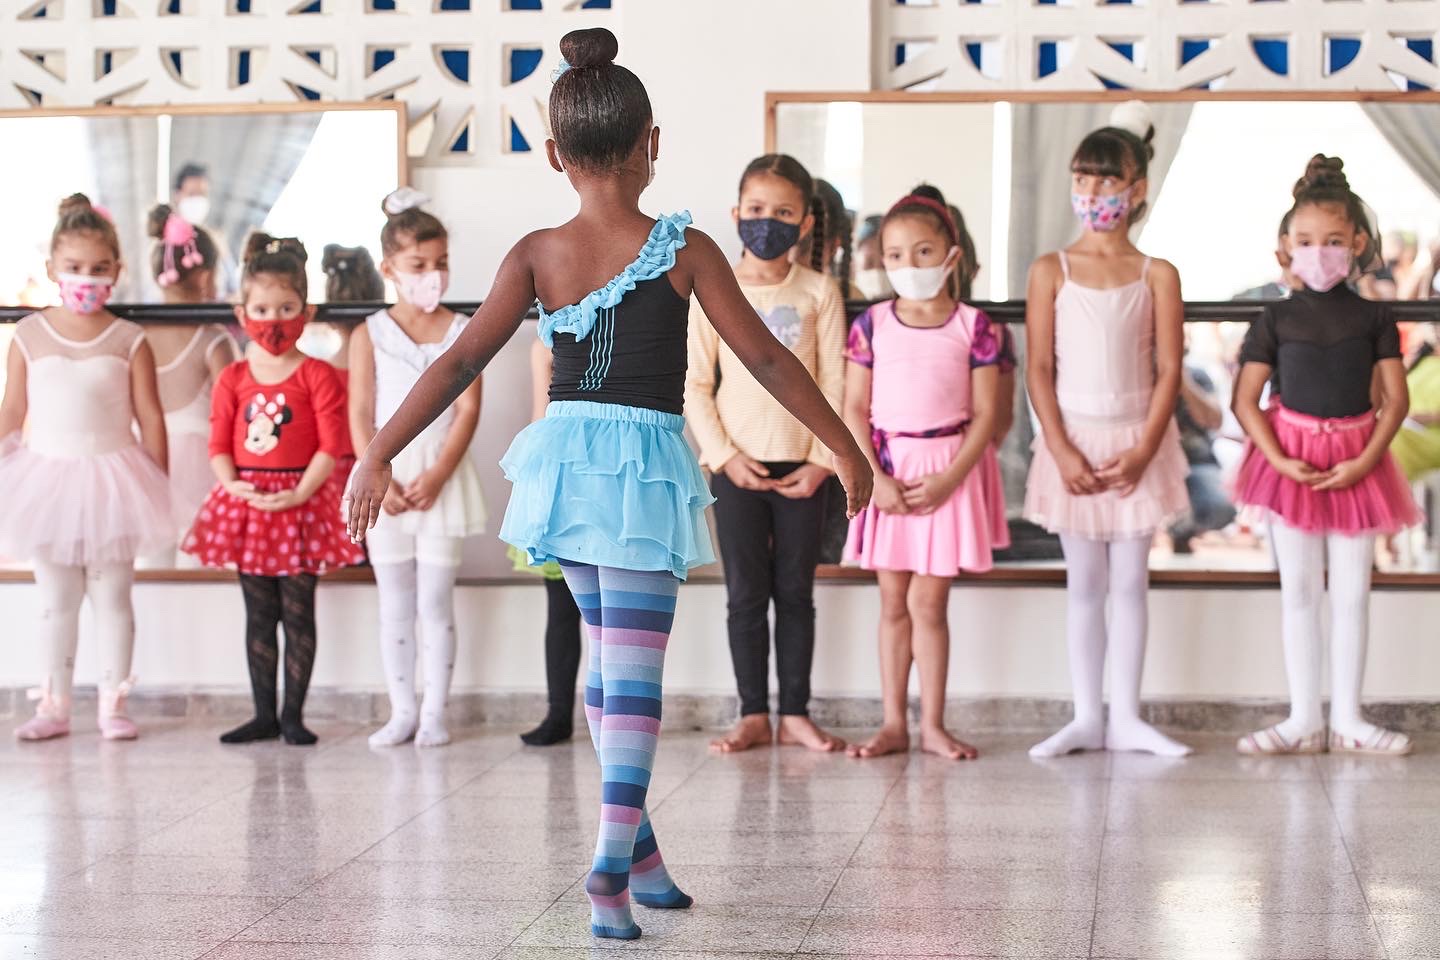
768	238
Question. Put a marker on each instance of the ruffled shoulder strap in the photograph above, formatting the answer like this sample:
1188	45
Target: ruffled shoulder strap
655	259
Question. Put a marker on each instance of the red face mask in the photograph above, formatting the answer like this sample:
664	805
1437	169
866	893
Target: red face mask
275	336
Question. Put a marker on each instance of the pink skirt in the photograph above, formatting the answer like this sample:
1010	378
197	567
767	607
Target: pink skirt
191	477
1381	503
1159	498
77	511
959	535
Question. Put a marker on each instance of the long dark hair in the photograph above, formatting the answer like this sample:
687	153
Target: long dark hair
598	109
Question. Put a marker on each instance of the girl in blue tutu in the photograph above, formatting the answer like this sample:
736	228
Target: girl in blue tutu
605	484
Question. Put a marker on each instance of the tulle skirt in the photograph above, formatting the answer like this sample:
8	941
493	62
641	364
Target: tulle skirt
310	538
1158	499
608	485
959	535
1380	503
191	477
93	509
459	511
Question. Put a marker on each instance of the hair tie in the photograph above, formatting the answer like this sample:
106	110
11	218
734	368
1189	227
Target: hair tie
1132	116
178	234
406	198
944	212
560	71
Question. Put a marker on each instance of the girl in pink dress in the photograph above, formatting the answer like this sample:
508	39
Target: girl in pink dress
83	496
1319	465
922	393
1103	330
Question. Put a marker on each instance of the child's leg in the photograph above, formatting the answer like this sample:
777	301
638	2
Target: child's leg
562	664
61	590
439	561
262	654
1129	622
108	588
745	525
637	612
1301	559
929	601
895	659
1087	583
395	598
1350	565
297	595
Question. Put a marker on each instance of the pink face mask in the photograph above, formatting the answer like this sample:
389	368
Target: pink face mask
84	294
1320	268
423	290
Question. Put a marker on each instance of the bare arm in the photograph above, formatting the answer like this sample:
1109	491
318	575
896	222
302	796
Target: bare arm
149	414
701	411
462	429
361	412
1394	407
15	405
1246	404
1199	404
541	366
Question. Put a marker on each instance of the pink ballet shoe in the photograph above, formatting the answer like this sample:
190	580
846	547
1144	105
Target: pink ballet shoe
112	720
1380	742
51	720
1271	743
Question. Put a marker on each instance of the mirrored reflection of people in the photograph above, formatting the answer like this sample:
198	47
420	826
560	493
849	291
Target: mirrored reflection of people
1417	446
871	281
1199	416
188	359
191	201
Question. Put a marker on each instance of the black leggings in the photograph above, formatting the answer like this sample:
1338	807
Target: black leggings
269	602
562	647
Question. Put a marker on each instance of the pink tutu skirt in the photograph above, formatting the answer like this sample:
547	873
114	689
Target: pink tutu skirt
191	478
82	510
1381	503
960	535
1159	498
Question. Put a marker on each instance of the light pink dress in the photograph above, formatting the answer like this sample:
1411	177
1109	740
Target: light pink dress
185	384
919	396
1104	378
79	489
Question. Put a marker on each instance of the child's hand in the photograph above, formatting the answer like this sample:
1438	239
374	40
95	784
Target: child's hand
1076	472
889	495
424	490
1344	475
747	473
365	497
240	489
858	480
276	502
1124	472
802	482
1300	471
395	502
927	494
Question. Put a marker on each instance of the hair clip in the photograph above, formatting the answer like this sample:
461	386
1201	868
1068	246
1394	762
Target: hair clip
560	71
274	246
179	234
103	212
406	198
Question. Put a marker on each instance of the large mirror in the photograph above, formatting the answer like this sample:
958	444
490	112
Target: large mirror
1220	182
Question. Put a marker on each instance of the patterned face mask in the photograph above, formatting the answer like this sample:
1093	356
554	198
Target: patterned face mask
84	294
1101	214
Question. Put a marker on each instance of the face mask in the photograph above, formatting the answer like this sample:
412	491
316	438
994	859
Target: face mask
1320	268
873	284
84	294
275	336
1101	214
423	290
768	238
922	283
194	208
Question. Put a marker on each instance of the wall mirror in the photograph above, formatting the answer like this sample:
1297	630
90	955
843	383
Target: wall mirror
1224	167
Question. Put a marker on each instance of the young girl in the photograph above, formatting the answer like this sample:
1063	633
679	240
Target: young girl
923	385
562	616
436	500
769	471
1103	331
1319	462
189	358
82	497
277	424
605	484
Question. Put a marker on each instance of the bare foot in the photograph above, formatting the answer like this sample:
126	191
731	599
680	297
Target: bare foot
751	731
799	731
888	740
939	742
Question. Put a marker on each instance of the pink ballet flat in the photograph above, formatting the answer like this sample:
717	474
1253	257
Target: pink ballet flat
1271	743
1384	743
51	720
112	720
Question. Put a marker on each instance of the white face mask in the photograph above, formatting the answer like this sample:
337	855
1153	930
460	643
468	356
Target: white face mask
922	283
194	209
873	284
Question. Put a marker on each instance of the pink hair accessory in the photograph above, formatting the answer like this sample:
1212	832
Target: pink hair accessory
178	234
103	211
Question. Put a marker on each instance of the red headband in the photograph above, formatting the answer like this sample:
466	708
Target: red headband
943	211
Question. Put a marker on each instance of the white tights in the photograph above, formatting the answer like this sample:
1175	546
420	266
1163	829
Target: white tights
1097	570
1301	557
62	589
412	592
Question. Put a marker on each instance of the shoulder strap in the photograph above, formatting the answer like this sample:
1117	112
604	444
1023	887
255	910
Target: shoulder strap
1145	269
1064	264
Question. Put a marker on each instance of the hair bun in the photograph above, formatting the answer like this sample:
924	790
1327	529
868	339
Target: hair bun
155	222
1323	172
593	47
75	203
930	192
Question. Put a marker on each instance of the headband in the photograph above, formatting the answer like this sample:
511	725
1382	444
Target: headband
939	209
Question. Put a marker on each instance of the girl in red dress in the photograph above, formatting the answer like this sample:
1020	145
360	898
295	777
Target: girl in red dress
277	427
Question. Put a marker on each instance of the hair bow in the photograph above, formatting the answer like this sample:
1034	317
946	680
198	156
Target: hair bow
406	198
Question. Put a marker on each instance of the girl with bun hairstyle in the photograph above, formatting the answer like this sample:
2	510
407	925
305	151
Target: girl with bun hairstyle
1104	338
435	501
605	483
277	427
83	497
1318	464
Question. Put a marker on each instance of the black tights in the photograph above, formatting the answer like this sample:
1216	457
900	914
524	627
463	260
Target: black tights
269	602
562	664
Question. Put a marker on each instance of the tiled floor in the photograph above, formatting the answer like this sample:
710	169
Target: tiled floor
176	848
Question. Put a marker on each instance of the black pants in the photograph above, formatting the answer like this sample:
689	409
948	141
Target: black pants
770	545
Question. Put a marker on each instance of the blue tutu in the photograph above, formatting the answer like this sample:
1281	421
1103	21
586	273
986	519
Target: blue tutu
608	485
